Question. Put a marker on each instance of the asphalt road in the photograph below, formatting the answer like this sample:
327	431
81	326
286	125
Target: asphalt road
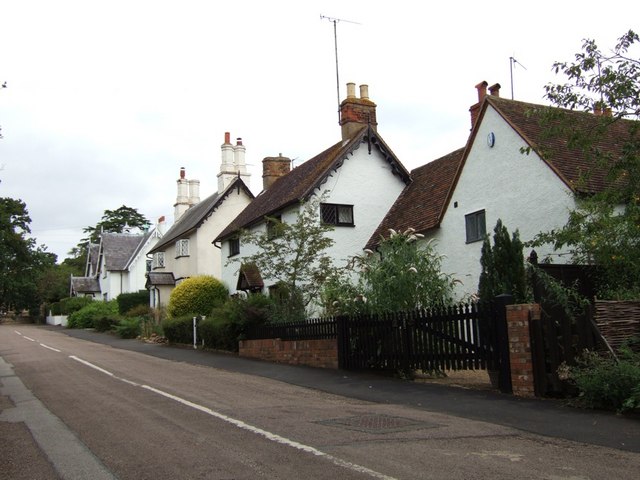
71	408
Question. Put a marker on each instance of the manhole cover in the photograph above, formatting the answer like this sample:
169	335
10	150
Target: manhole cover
377	423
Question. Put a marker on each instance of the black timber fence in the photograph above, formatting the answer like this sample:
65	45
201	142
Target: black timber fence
462	337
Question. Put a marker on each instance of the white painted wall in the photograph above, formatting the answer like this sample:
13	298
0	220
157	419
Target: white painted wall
520	189
364	181
204	257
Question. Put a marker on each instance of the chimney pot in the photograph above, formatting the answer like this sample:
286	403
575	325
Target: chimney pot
364	92
161	219
239	141
227	137
482	90
494	90
351	90
182	172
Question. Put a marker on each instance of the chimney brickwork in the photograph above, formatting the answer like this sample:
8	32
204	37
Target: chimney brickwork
482	92
357	112
274	168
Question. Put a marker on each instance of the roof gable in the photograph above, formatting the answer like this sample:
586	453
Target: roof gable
301	182
195	216
576	167
119	248
422	203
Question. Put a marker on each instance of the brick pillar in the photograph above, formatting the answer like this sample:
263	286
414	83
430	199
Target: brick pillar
520	357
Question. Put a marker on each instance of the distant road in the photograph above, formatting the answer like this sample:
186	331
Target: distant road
108	413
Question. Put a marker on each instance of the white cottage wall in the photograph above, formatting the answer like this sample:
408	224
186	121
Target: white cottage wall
520	189
364	181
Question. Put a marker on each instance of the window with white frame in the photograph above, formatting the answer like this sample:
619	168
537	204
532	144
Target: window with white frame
182	248
475	225
158	260
334	214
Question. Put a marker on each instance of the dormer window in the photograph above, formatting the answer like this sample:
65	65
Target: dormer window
182	248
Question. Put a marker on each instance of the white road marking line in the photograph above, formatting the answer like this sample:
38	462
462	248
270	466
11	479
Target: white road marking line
245	426
28	338
50	348
89	364
16	331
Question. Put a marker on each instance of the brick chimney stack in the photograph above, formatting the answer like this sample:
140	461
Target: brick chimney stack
357	112
475	109
274	168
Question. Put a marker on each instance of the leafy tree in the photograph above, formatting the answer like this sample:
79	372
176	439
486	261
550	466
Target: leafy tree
295	256
117	221
603	229
503	268
21	262
402	275
197	295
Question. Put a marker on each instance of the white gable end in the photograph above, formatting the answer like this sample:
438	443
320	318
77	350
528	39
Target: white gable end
506	184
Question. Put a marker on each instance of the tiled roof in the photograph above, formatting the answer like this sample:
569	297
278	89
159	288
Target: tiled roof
196	215
160	278
572	164
421	204
299	183
119	248
85	284
250	278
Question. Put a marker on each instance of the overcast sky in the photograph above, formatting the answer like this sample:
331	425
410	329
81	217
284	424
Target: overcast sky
105	101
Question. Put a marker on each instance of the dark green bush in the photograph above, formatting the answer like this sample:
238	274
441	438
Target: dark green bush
55	308
94	311
73	304
179	329
605	383
139	311
105	323
229	323
127	301
129	327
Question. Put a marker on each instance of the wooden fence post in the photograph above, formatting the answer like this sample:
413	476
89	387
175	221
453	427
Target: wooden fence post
502	342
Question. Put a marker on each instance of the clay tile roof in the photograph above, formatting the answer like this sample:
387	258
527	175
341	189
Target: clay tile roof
250	278
196	216
421	204
299	183
572	164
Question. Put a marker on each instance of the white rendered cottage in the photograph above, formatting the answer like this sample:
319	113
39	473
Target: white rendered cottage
118	264
358	178
458	198
186	249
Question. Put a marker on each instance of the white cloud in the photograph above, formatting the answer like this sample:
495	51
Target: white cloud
106	101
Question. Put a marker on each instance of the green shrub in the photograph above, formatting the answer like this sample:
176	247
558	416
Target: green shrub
179	329
105	323
129	327
229	323
139	311
127	301
73	304
199	295
94	311
55	308
605	383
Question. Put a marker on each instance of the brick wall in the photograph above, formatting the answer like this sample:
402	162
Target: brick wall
518	318
313	353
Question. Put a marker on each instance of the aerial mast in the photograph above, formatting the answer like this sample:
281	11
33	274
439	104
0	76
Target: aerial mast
335	43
